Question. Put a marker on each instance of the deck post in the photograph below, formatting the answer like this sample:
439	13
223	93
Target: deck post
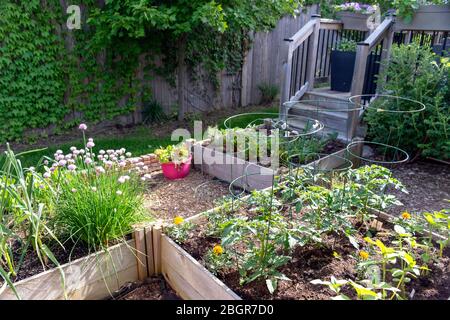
312	52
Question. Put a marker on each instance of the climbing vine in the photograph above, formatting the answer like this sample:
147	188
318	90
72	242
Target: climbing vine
32	82
53	78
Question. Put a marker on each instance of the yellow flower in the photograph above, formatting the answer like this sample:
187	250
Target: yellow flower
177	220
364	255
217	250
406	215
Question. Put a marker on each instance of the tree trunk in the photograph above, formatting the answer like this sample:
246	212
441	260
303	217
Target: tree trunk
182	78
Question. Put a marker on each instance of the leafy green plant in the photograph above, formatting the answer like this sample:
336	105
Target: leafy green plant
268	92
177	154
413	73
24	218
263	236
153	112
179	230
346	45
217	259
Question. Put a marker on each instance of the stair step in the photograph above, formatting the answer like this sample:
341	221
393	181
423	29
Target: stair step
318	111
326	92
334	120
299	124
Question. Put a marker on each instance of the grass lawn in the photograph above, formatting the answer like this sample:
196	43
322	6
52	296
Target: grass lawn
138	142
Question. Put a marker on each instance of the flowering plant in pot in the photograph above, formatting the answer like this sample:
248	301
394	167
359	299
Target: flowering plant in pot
175	161
342	65
356	7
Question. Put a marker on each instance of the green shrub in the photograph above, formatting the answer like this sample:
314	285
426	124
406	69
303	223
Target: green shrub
416	73
268	92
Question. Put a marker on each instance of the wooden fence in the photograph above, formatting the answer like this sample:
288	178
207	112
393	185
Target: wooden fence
263	64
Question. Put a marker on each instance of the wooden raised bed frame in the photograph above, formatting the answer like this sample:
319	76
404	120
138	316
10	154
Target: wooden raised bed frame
190	279
92	277
231	167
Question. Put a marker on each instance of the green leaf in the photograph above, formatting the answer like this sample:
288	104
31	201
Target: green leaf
272	284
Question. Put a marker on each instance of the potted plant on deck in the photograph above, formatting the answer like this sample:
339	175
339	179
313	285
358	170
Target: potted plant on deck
342	65
175	161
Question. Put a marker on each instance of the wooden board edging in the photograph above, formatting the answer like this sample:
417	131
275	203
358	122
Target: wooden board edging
92	277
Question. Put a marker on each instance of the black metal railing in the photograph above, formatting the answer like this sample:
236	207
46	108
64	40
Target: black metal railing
439	41
328	41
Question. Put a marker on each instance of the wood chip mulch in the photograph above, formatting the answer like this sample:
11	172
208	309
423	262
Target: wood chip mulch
166	199
428	184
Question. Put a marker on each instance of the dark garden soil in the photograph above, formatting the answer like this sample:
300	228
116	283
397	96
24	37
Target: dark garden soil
32	265
428	184
333	146
319	262
154	288
166	199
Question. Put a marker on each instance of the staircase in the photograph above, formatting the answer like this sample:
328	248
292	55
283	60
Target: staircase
308	60
332	108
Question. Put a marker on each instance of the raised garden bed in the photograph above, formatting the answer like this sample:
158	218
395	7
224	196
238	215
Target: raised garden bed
255	176
95	276
334	256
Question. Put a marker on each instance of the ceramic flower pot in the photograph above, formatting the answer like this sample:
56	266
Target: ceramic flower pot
173	171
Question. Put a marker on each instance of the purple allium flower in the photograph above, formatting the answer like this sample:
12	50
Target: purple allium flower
102	152
47	175
73	149
82	126
71	167
90	144
88	160
122	164
123	179
128	154
100	169
81	151
46	162
62	163
59	152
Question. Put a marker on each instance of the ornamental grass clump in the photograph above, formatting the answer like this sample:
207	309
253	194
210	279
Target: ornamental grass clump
97	200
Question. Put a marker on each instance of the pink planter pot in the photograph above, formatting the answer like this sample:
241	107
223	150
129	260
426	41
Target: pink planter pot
173	172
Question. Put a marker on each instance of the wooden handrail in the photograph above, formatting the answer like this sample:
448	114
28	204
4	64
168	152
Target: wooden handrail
379	33
331	24
298	38
384	31
310	29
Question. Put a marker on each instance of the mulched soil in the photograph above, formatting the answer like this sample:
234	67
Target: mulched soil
428	184
317	262
166	199
154	288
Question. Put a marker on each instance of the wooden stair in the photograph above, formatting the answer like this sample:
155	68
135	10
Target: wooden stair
332	108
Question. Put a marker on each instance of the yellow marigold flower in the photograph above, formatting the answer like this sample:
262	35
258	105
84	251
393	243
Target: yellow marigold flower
406	215
217	250
178	220
364	255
